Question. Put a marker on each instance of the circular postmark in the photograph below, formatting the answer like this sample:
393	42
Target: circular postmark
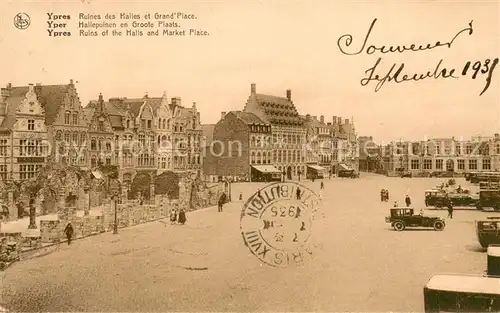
276	223
22	21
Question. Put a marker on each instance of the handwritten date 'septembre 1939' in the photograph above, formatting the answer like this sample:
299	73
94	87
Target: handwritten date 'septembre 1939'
396	74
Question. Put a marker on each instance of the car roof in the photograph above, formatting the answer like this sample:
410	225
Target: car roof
464	283
494	250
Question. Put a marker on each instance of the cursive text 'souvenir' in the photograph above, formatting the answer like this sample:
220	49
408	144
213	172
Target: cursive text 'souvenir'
346	40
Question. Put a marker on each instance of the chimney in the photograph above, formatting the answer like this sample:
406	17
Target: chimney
194	106
71	82
334	120
308	117
289	94
146	95
222	114
176	101
347	121
31	88
38	89
339	120
252	89
322	119
329	124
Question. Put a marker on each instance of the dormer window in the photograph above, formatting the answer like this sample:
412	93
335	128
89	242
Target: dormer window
31	124
149	124
128	123
32	105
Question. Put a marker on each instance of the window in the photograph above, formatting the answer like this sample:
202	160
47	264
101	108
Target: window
427	164
75	118
100	125
93	161
75	138
143	124
142	140
258	157
472	164
415	164
498	149
149	124
108	161
108	146
458	149
439	164
468	149
253	158
163	162
159	123
67	117
3	172
28	171
486	164
3	147
437	150
83	138
128	123
93	144
163	124
31	124
461	164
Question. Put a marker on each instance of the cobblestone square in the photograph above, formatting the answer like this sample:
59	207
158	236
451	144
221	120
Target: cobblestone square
359	263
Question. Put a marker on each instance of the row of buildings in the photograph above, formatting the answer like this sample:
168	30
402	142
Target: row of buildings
144	135
432	155
269	139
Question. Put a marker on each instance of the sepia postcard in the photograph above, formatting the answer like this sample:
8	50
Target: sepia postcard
249	156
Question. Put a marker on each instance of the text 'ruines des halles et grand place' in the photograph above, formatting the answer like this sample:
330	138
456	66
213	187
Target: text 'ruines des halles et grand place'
173	24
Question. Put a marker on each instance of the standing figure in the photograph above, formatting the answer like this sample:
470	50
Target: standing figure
407	201
386	195
395	204
69	232
241	196
173	216
382	195
182	217
450	209
222	200
322	186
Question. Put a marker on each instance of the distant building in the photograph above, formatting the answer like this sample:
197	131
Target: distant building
443	154
369	156
23	133
287	130
241	148
318	148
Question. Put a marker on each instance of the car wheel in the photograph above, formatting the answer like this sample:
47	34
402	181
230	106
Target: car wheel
398	226
438	205
438	225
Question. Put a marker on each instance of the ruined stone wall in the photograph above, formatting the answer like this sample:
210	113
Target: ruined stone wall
10	249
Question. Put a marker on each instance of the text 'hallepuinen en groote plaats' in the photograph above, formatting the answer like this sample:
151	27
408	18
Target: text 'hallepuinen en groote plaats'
169	24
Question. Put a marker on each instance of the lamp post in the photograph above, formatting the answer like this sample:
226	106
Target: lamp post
115	228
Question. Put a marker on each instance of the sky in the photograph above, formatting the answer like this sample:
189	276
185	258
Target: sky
277	45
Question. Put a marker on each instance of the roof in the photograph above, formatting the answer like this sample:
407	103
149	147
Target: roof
51	97
464	283
249	118
89	112
494	250
279	110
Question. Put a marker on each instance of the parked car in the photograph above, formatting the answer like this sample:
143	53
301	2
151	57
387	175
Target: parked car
348	174
462	293
401	218
488	231
489	198
406	174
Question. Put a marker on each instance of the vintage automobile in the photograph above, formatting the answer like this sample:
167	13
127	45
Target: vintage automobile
348	173
489	198
439	198
462	293
406	175
401	218
488	231
493	268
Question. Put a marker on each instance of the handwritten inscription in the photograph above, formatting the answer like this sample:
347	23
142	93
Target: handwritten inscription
399	73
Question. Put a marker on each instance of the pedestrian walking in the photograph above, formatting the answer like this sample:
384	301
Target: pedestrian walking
395	204
173	216
408	201
298	193
182	217
241	196
322	185
382	195
69	232
450	210
386	195
222	200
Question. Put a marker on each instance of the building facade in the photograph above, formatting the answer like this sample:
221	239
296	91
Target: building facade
288	133
319	146
443	154
24	147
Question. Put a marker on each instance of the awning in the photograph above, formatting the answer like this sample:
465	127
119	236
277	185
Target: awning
97	174
317	168
345	167
266	168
